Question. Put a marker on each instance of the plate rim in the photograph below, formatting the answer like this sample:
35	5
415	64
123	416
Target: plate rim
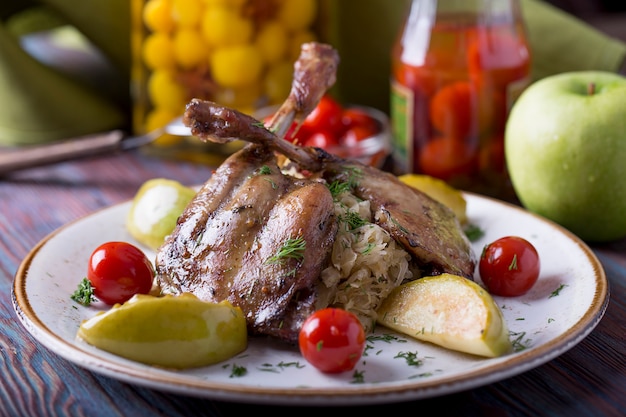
374	393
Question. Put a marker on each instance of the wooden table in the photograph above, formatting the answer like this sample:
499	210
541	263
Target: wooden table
588	380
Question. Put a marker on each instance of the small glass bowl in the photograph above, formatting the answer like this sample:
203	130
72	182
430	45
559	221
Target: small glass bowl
370	151
373	150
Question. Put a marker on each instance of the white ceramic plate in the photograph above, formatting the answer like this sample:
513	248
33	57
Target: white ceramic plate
563	307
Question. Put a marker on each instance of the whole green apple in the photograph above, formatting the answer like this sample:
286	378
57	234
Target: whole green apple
565	147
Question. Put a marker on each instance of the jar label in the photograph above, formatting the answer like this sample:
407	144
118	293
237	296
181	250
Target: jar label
515	89
402	127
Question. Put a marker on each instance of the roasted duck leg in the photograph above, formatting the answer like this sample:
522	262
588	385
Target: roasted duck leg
229	240
426	228
253	235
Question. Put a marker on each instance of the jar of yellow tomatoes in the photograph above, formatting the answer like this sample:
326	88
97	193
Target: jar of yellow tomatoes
238	53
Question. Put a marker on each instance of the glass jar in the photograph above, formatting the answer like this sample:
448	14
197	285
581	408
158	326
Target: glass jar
238	53
456	68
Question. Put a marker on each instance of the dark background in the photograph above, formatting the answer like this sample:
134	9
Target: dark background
607	15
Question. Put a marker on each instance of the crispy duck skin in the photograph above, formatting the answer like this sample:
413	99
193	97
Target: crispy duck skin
227	241
424	227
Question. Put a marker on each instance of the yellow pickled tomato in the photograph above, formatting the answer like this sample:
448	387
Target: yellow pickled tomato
158	51
297	14
237	66
187	13
296	41
277	82
157	15
233	4
165	92
190	48
272	41
158	118
222	27
239	98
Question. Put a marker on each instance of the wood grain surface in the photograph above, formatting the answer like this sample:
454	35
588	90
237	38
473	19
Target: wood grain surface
588	380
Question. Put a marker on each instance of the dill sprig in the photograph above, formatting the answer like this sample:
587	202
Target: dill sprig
84	293
338	187
292	248
352	220
473	232
265	170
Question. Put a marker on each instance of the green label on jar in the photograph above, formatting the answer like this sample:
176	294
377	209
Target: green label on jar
401	111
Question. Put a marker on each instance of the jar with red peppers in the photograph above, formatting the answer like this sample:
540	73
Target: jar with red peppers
457	66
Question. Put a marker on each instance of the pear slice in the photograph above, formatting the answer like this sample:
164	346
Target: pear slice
439	190
450	311
155	209
170	331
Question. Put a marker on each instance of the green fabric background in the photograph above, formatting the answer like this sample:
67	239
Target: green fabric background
38	104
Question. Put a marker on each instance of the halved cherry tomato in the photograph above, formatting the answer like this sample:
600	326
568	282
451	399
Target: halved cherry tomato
326	116
119	270
332	340
509	266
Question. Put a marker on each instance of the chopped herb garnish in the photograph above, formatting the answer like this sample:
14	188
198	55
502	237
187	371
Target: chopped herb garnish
368	249
358	377
265	170
385	338
337	187
237	371
473	232
518	343
557	291
394	221
422	375
84	293
274	186
411	358
352	220
291	249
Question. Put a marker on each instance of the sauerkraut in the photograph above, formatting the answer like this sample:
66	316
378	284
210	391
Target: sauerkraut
366	262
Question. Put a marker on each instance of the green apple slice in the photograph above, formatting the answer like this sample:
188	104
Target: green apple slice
169	331
155	209
450	311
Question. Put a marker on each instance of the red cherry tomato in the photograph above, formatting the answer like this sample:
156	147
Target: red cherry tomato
332	340
355	134
325	116
321	139
352	117
119	270
509	266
